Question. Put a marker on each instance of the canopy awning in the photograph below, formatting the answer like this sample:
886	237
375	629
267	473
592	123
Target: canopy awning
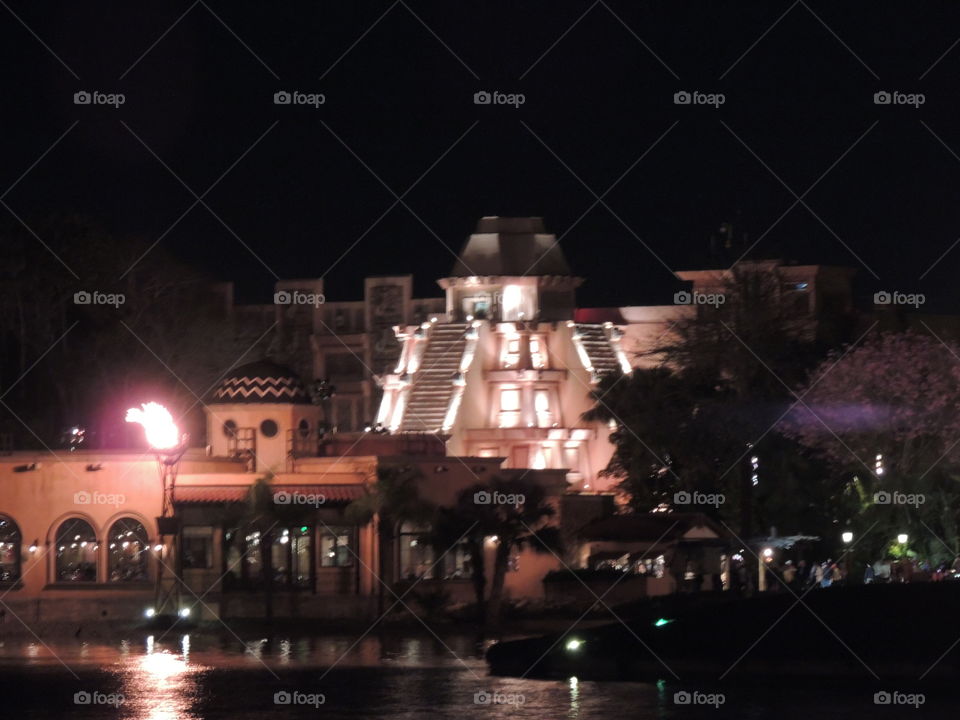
216	494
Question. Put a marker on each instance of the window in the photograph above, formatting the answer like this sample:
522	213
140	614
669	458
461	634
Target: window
269	428
538	354
127	551
197	548
290	556
509	400
511	353
457	564
10	543
541	404
335	547
76	552
416	554
509	407
290	553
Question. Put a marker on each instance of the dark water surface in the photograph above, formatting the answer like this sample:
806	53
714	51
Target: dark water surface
193	676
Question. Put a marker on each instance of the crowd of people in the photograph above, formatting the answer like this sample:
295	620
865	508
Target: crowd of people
804	575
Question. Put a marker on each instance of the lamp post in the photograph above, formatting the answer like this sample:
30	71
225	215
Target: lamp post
766	557
847	538
168	446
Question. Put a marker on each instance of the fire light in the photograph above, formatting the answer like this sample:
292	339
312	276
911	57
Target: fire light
162	433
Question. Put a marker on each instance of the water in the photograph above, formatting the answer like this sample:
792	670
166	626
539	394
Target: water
198	677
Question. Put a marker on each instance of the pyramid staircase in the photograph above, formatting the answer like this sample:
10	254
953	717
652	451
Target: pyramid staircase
432	385
597	345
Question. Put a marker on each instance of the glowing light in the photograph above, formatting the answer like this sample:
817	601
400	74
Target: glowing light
162	433
847	537
158	547
149	612
184	612
902	538
574	645
768	553
662	621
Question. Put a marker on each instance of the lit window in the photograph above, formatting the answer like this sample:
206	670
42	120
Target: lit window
510	357
76	552
512	300
335	547
538	357
509	408
127	551
509	400
541	404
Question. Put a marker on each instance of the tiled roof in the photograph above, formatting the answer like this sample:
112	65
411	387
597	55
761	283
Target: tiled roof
207	494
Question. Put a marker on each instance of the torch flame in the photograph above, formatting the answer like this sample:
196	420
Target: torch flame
161	431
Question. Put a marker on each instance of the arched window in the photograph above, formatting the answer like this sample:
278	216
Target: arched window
9	550
127	551
76	552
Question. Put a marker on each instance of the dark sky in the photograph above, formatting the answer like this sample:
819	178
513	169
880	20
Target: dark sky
399	78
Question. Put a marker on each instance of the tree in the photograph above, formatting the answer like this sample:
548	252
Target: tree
393	499
698	420
884	415
261	514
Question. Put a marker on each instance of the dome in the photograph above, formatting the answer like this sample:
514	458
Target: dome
261	382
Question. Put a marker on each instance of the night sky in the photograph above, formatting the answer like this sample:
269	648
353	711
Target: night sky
312	196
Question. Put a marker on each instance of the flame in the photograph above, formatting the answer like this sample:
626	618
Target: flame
162	433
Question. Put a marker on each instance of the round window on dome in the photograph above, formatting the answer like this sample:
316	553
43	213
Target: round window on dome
268	428
230	428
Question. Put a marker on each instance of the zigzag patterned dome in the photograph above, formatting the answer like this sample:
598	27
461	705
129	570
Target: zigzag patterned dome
261	382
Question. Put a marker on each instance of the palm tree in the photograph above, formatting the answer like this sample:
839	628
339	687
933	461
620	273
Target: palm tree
262	514
393	499
519	525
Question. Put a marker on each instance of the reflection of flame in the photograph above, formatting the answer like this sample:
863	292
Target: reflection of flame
161	431
161	685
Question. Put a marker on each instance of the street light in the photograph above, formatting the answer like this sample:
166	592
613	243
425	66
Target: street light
766	557
168	445
902	538
847	537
